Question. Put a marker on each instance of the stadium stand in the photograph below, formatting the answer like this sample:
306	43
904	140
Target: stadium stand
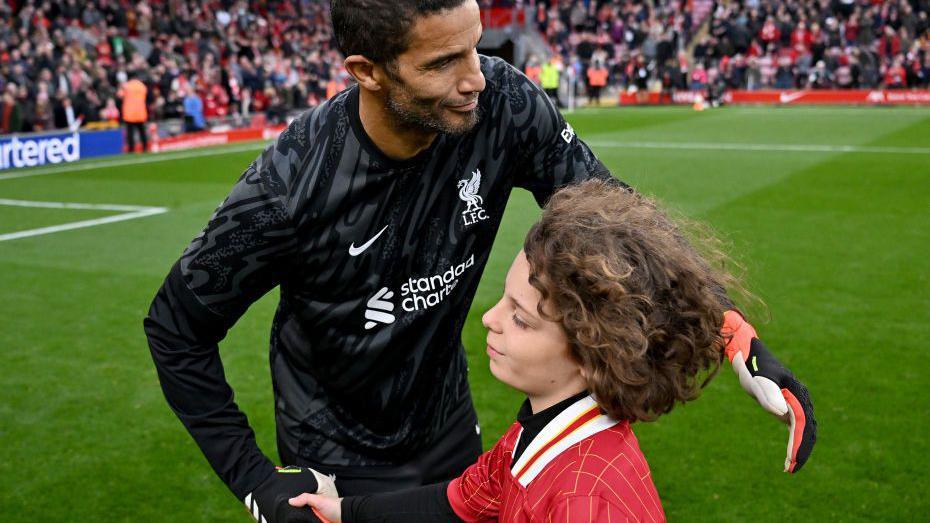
207	61
817	44
239	58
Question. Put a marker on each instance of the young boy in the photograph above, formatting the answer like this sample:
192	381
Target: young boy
608	317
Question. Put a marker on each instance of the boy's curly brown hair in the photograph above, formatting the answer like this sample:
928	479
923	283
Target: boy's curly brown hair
641	308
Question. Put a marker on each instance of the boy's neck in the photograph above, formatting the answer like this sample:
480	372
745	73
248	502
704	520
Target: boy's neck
539	403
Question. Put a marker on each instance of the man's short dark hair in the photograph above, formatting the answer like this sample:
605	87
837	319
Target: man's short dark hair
379	29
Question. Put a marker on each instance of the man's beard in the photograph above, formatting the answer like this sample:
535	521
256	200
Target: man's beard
411	111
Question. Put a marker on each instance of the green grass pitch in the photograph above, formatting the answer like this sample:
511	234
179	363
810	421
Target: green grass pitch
828	209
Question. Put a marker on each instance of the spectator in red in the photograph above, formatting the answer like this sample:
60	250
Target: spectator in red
801	36
215	101
11	117
889	45
770	33
851	29
110	113
895	76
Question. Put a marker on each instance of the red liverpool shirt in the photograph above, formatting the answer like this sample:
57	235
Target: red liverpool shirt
583	466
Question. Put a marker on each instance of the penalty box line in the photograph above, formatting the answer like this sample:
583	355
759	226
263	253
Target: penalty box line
127	212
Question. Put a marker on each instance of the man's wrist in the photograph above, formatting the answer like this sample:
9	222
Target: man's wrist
258	474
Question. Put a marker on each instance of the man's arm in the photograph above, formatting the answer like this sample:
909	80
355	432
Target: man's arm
183	336
556	157
475	496
240	255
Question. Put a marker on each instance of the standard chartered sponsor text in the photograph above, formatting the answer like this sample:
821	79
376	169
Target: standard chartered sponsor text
30	152
424	293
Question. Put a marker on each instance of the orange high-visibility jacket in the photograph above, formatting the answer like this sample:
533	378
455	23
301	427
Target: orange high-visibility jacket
133	93
597	77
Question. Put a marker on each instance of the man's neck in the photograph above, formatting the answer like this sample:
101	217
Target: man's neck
396	142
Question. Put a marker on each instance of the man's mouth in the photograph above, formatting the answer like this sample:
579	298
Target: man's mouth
464	108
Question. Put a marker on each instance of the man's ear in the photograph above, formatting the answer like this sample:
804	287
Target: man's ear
365	72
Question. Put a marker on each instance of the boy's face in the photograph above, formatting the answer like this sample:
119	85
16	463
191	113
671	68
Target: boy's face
527	352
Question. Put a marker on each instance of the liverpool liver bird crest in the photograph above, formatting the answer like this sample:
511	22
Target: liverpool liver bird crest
468	191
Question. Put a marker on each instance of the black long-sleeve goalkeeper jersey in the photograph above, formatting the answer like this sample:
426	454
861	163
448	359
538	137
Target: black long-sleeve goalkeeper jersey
377	261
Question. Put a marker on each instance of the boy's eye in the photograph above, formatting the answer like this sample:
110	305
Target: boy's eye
518	322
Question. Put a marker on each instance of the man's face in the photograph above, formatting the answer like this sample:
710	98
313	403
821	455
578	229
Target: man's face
434	84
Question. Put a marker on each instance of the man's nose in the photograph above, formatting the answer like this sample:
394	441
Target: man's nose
473	81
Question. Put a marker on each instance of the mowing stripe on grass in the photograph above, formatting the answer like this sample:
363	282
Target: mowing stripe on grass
697	146
133	160
765	147
129	212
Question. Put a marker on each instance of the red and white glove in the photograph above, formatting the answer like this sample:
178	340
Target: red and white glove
773	386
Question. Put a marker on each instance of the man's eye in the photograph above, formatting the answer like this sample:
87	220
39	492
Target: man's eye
444	64
518	322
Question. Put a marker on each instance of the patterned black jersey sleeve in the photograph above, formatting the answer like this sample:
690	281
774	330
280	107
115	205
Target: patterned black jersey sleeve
237	258
553	155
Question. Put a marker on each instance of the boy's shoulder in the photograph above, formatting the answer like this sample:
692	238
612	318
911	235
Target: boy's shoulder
613	453
608	455
606	469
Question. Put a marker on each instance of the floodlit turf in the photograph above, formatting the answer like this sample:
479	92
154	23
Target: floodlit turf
827	212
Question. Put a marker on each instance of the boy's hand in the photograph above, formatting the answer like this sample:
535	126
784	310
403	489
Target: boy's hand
773	386
268	502
327	508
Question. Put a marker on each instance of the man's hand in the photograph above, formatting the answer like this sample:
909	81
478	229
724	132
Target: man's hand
268	503
329	509
773	386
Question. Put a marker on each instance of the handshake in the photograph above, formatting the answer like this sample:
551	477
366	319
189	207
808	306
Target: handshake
268	503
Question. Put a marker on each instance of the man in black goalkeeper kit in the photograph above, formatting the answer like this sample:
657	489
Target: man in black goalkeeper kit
375	213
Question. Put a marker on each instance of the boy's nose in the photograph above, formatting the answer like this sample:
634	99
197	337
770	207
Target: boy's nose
489	318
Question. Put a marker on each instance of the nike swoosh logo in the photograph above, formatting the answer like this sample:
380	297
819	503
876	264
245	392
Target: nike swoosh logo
786	98
355	251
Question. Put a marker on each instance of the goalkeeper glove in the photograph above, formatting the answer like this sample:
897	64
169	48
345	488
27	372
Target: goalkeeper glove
268	502
773	386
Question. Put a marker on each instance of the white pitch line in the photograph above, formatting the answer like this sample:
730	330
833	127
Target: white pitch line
697	146
132	160
709	146
82	206
129	212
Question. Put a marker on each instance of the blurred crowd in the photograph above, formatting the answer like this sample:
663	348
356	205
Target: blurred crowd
63	63
818	44
622	43
660	45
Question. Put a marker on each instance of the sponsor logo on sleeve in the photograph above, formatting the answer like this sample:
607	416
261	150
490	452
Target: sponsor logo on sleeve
568	133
